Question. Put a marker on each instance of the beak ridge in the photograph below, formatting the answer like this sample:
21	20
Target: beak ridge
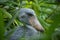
35	23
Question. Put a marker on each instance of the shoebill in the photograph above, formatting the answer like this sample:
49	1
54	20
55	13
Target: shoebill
31	25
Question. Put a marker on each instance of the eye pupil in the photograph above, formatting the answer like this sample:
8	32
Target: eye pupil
22	16
29	14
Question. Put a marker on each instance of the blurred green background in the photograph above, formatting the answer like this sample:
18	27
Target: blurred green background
47	11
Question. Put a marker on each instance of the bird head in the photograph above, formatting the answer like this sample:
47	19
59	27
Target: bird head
28	16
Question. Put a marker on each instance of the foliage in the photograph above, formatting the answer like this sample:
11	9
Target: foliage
47	11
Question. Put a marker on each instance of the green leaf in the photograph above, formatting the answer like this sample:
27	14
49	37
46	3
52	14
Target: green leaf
2	30
2	1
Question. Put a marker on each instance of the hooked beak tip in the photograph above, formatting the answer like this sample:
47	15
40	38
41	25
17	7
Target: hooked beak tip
42	31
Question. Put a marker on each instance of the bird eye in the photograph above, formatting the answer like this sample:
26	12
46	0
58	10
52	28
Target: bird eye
29	14
22	16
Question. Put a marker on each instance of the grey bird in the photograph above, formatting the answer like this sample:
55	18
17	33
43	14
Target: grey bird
30	28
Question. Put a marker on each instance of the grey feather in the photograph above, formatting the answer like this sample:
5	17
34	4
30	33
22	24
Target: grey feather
23	32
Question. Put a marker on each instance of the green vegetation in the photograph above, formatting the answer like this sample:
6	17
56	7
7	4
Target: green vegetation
47	11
